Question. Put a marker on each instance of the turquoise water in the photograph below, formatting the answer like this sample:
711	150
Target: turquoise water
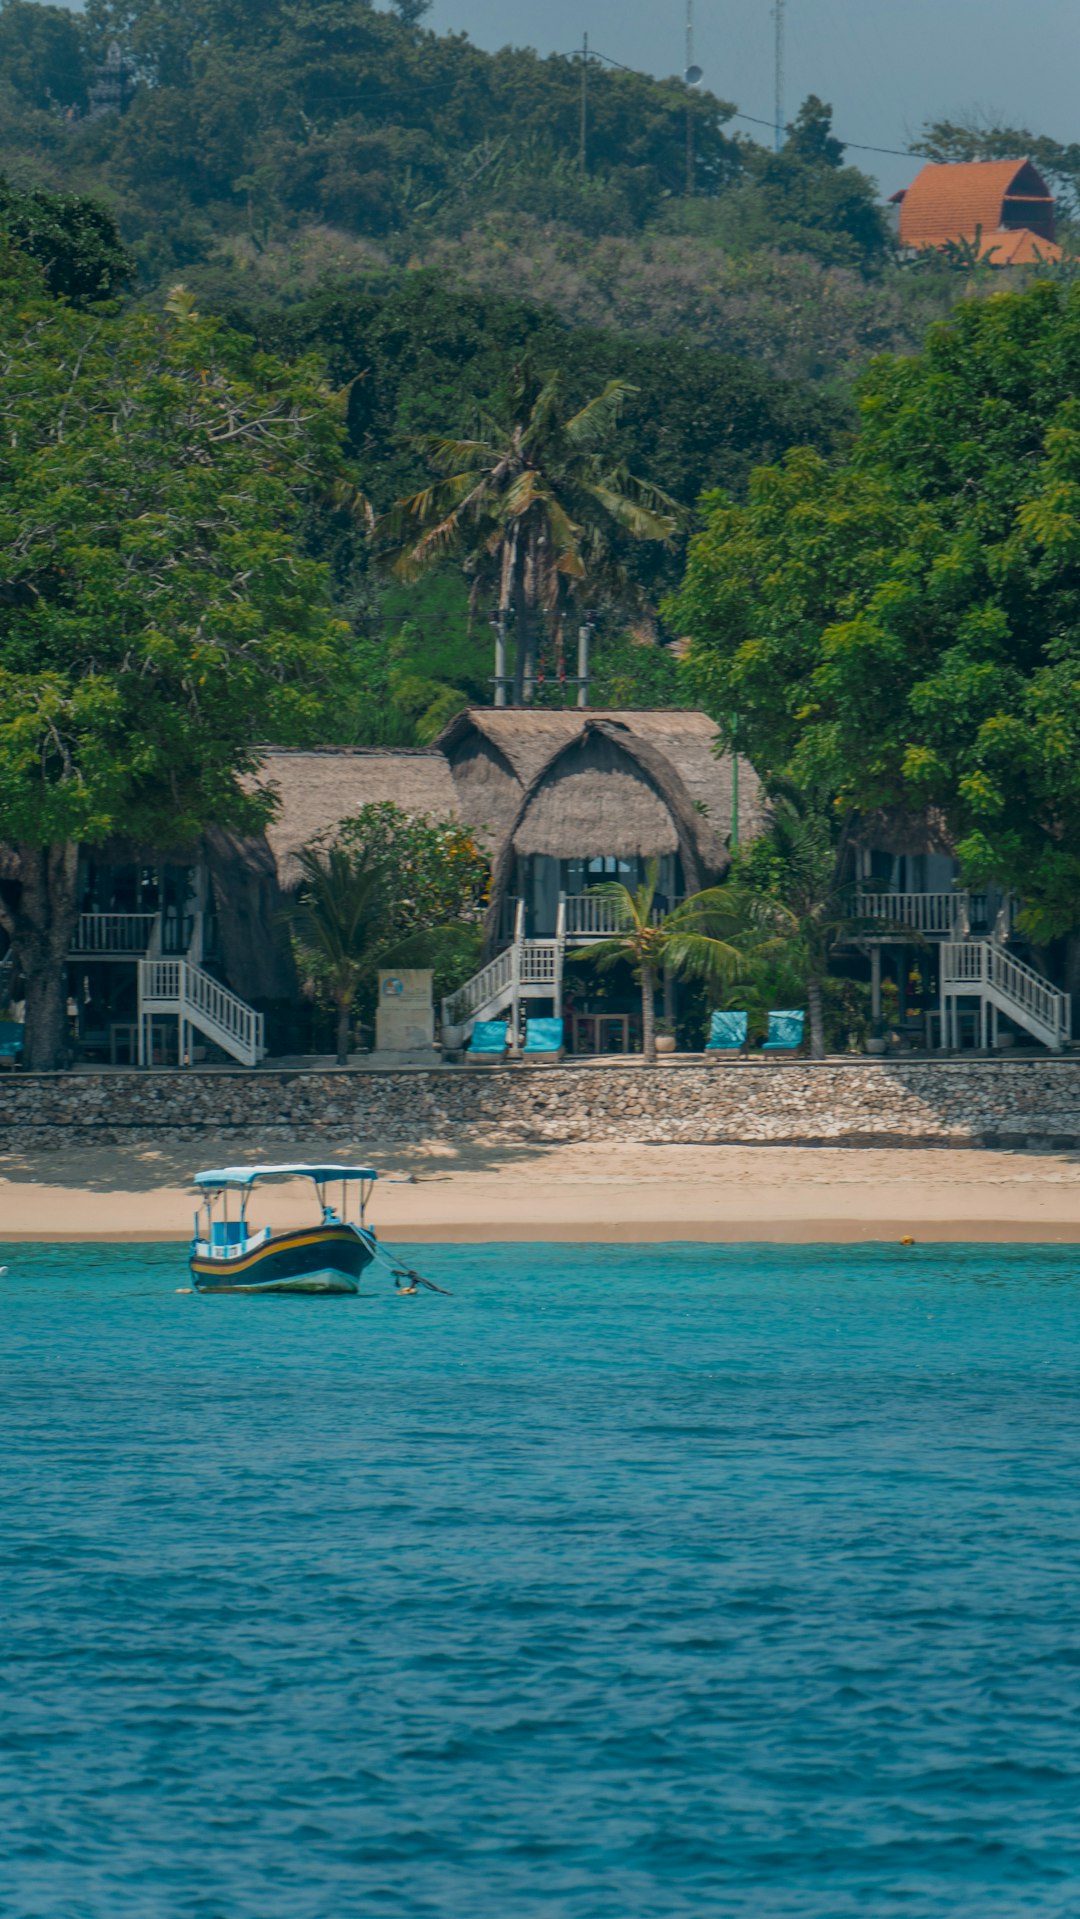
673	1581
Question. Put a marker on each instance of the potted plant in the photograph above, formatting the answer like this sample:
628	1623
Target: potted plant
665	1036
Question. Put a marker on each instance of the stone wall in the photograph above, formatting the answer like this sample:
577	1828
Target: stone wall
1011	1103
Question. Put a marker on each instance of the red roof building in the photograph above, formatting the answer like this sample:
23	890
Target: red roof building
1004	207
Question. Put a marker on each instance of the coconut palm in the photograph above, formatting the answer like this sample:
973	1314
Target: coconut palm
339	917
536	509
683	942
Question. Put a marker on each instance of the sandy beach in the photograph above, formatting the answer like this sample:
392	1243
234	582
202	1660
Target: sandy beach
595	1192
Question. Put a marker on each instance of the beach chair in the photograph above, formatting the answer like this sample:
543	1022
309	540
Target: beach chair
490	1039
543	1039
11	1041
785	1033
727	1032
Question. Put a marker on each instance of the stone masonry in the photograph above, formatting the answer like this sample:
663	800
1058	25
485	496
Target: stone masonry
1008	1103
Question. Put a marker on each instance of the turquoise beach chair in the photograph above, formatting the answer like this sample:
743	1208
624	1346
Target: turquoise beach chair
490	1039
543	1039
785	1033
11	1041
727	1032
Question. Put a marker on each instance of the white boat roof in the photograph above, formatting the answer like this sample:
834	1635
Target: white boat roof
244	1176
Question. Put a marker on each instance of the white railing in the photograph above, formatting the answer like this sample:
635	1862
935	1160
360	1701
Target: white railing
940	913
488	984
111	933
539	963
176	986
984	967
599	915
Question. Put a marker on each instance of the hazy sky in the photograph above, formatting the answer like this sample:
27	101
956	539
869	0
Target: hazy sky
886	65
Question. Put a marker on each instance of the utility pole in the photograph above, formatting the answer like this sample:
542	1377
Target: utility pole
689	100
583	144
778	104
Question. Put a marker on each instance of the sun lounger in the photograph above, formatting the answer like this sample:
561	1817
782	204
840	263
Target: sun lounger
543	1039
11	1041
727	1032
785	1033
490	1039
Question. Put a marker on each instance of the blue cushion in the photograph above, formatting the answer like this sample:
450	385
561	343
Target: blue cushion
727	1032
543	1035
785	1032
489	1036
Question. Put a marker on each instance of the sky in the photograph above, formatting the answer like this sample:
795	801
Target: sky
886	65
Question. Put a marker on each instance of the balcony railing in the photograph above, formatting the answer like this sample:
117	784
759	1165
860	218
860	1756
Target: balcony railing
108	935
599	915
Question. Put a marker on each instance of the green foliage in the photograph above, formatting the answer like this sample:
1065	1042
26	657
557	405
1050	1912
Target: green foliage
804	200
338	916
900	628
538	511
691	941
43	56
436	873
73	240
156	619
389	889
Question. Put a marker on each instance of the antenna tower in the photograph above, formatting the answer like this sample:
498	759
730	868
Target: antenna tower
778	97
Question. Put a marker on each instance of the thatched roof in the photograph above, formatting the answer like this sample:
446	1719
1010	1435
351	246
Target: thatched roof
497	753
594	797
317	790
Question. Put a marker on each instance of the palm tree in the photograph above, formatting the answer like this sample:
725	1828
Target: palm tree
684	941
797	918
338	917
535	508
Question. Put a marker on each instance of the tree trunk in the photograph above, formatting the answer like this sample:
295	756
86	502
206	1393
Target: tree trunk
343	1011
648	1016
42	927
817	1017
522	636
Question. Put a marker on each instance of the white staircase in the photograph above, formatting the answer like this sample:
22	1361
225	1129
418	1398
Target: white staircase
984	970
179	988
526	969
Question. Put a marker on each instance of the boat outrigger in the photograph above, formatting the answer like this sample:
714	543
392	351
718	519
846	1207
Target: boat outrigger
231	1256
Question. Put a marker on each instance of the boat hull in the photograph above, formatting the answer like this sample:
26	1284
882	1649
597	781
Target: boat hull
317	1259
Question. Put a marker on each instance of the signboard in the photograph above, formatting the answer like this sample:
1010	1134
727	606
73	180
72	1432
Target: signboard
405	1019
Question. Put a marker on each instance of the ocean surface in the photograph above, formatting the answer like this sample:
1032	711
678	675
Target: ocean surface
674	1581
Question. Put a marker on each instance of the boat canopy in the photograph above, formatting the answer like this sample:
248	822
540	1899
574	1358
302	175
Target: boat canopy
244	1177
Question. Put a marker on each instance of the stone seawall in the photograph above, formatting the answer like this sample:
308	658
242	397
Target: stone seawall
1008	1103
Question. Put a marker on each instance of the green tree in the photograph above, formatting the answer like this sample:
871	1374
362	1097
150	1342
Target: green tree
391	889
786	905
74	241
686	942
42	55
900	628
535	509
158	618
339	921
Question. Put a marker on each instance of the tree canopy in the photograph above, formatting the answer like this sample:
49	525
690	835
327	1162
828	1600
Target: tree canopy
158	617
901	626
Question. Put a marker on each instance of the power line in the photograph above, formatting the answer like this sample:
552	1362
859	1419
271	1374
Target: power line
752	119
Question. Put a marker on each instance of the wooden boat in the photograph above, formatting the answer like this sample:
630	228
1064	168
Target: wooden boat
327	1256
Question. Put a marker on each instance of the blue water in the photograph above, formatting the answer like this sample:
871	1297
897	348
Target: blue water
677	1581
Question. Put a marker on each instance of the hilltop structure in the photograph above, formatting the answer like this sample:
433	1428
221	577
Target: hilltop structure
1002	209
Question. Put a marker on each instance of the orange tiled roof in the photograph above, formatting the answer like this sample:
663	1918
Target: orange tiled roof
950	202
1018	247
